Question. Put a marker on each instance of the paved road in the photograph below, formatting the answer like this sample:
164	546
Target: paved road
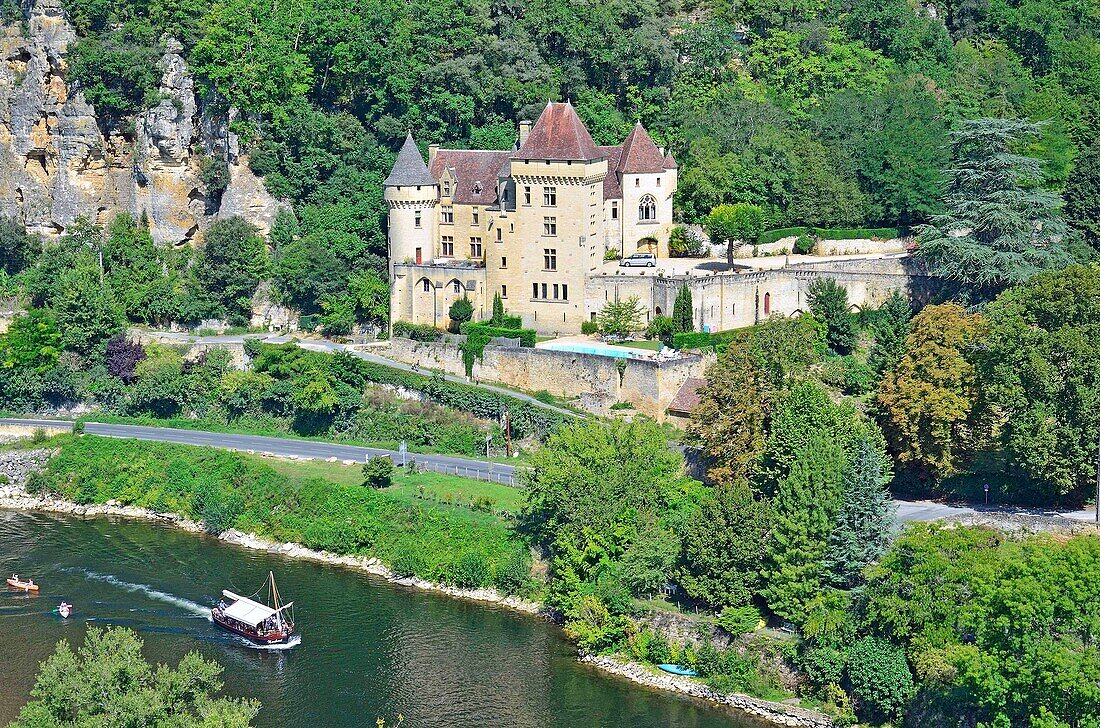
294	448
331	346
908	511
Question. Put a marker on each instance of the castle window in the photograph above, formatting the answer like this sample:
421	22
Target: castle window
478	188
637	181
475	216
457	287
475	247
550	196
647	209
447	215
503	291
565	291
549	226
446	188
526	195
544	290
614	210
550	258
555	291
427	286
448	246
500	234
534	290
658	181
416	218
504	261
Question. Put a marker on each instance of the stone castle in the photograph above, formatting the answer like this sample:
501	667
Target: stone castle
532	224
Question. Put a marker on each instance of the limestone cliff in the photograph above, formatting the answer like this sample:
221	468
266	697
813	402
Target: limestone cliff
56	164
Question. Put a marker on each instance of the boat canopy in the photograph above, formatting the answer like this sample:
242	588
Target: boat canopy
247	611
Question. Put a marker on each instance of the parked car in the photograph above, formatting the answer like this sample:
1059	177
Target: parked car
645	260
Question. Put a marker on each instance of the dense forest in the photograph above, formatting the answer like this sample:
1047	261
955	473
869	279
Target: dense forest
821	113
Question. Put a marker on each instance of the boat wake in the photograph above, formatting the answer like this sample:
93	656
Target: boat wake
291	643
193	607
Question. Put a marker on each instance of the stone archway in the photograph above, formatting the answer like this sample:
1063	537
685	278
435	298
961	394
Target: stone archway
647	245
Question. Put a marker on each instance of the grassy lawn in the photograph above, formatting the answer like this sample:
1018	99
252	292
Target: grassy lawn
407	487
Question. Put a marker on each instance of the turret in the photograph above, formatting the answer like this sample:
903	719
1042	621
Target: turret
411	195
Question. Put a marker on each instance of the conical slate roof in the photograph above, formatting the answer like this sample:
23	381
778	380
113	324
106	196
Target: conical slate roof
670	161
409	169
640	155
559	134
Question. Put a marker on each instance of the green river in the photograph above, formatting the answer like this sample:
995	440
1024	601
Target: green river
369	648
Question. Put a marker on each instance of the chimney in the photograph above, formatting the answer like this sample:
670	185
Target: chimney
524	131
432	150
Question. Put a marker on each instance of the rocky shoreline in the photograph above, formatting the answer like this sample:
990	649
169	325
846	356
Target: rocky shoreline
18	464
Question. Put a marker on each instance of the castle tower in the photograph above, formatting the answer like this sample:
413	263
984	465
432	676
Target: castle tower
411	195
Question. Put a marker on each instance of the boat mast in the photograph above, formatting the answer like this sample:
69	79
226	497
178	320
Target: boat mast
275	599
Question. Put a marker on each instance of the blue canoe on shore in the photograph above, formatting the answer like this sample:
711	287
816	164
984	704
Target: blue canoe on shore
678	670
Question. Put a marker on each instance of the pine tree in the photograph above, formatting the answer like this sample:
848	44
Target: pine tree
1001	225
498	310
805	510
829	303
865	519
1082	193
682	318
890	331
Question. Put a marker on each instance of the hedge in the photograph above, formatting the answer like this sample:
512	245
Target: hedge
771	236
416	332
527	337
702	340
507	321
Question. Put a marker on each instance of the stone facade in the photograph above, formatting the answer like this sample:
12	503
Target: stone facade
531	225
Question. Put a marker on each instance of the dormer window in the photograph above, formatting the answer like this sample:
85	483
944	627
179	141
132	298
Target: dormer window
446	188
478	188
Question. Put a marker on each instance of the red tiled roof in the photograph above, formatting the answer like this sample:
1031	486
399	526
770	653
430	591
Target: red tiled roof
471	167
687	397
670	161
640	154
559	134
612	190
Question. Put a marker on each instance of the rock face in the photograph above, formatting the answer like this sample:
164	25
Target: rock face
57	165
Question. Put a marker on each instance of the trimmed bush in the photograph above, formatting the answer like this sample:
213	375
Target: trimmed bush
416	332
378	472
589	327
804	245
702	340
527	337
771	236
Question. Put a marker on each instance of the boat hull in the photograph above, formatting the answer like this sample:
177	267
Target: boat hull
22	585
280	637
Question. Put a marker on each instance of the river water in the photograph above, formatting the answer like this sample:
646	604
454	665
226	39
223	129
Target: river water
369	648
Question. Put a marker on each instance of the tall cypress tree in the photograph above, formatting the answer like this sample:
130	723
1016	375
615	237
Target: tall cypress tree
682	319
805	510
829	303
890	331
498	310
865	519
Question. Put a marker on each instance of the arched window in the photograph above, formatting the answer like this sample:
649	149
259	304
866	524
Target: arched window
426	285
647	209
767	304
456	286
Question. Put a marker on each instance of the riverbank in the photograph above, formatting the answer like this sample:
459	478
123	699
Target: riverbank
17	465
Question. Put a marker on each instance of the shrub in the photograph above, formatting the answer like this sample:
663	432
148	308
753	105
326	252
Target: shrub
589	327
804	245
527	337
684	243
471	571
378	472
461	310
739	620
880	678
512	574
770	236
416	332
611	255
661	328
406	563
702	340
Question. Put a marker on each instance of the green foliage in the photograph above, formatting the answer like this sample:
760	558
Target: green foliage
589	327
1040	372
416	332
117	68
684	243
230	490
733	225
720	548
683	317
661	328
928	400
108	681
498	311
621	318
891	328
805	506
214	175
32	341
739	620
829	304
17	248
229	266
1000	226
701	340
1082	195
880	678
865	518
527	337
378	472
804	245
461	311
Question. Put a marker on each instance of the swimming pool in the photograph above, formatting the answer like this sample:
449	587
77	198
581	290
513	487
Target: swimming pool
617	352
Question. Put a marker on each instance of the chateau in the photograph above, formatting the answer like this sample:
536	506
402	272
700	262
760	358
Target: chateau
532	224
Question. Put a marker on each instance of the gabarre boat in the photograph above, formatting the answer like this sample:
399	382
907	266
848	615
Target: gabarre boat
265	624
